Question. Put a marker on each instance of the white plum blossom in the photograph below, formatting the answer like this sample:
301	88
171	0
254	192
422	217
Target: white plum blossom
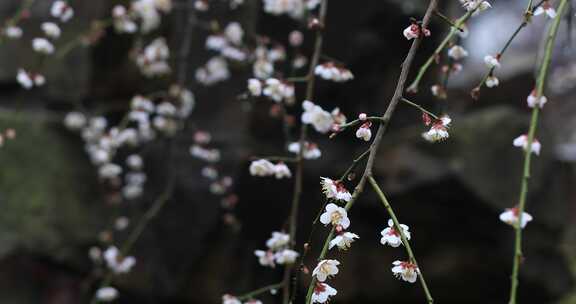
278	90
265	258
13	32
491	61
282	171
322	293
334	190
522	142
534	100
262	68
110	170
311	150
134	162
492	81
62	11
546	8
214	71
286	256
43	46
278	240
228	299
294	8
234	32
343	240
118	263
511	216
364	131
337	216
106	294
457	52
123	22
75	120
439	130
391	236
325	269
209	155
262	167
321	120
51	29
330	71
475	5
255	87
405	270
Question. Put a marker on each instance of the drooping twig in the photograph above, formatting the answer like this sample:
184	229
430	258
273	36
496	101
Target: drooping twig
540	84
298	179
413	87
522	25
406	65
399	229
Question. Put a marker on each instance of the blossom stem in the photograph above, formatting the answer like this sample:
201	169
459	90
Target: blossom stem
413	87
507	44
540	84
297	79
259	291
419	107
298	180
447	20
399	229
97	25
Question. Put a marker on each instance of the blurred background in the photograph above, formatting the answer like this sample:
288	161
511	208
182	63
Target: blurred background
53	208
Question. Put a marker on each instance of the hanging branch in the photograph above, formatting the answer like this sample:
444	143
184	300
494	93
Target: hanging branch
298	180
540	84
399	229
413	87
379	134
525	22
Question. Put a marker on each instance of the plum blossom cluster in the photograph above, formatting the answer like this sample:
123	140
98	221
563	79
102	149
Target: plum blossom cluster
264	167
278	251
153	59
44	46
296	9
145	15
324	270
311	150
228	45
331	71
275	89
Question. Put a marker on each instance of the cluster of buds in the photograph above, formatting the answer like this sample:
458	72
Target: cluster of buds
415	30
